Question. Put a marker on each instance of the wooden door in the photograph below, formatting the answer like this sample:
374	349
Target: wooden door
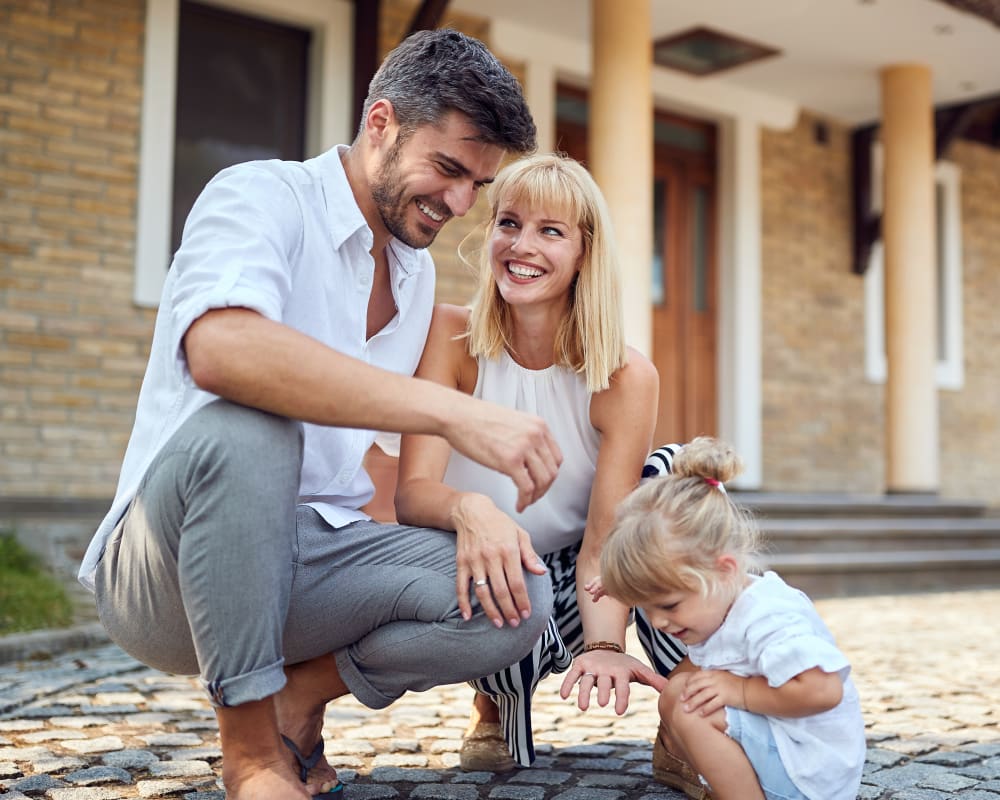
684	283
684	299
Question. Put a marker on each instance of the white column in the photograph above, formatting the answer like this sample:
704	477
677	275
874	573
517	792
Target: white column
740	351
621	147
908	234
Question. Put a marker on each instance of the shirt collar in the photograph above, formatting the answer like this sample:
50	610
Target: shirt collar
345	217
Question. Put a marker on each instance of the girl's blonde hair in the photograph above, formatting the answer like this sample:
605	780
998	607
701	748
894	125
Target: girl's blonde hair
591	337
669	532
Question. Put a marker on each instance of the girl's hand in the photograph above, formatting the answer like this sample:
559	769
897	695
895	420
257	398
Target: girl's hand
605	670
709	690
595	588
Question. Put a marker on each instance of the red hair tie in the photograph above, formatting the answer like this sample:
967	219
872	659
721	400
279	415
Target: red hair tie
711	481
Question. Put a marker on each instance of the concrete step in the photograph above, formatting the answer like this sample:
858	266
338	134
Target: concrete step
773	505
864	534
852	574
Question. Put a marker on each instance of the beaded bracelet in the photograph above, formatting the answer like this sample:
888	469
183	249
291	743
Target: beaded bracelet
603	646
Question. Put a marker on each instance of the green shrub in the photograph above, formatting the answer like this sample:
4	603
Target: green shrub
30	598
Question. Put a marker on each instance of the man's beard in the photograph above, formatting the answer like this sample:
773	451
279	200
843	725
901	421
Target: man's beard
387	192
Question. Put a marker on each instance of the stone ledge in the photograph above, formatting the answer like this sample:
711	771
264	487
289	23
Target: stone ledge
44	644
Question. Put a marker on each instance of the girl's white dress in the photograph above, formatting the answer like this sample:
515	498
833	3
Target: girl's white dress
774	630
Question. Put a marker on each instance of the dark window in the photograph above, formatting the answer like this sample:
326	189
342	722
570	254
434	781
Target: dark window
241	95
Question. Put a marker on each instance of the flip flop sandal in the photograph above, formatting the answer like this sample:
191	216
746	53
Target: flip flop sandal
306	763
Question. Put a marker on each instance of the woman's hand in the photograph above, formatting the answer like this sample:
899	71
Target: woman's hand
492	554
605	670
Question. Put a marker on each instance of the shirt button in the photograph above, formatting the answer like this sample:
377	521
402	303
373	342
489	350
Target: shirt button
365	279
344	476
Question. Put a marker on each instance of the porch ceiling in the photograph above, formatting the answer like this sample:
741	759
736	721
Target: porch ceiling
831	50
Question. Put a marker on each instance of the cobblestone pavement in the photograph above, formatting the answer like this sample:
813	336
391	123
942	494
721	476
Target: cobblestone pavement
94	724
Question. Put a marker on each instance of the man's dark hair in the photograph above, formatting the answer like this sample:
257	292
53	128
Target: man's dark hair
432	73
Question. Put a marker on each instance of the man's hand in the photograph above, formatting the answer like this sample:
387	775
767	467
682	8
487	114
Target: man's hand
518	445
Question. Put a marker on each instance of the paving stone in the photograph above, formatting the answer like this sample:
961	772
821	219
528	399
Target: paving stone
180	769
509	792
23	753
101	744
130	759
403	775
161	788
444	791
610	781
57	764
400	760
929	738
35	784
79	722
589	794
549	777
194	754
51	735
602	764
86	793
171	739
98	775
473	777
372	792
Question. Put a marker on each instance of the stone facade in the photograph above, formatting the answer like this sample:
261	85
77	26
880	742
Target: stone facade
823	419
822	422
970	418
73	345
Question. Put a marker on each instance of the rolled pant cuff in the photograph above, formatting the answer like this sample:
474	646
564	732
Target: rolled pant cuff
247	688
357	684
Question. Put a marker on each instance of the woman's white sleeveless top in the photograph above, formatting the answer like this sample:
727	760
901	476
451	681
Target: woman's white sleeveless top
560	397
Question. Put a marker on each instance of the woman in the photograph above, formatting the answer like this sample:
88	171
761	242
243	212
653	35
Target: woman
544	335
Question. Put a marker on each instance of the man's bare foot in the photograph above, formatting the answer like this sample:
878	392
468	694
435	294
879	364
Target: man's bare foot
254	763
300	707
263	782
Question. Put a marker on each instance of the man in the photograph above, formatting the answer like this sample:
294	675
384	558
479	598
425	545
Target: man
292	318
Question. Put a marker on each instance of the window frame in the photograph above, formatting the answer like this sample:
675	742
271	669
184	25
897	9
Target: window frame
328	111
949	369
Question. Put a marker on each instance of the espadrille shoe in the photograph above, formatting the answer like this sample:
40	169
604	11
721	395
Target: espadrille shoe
484	750
675	772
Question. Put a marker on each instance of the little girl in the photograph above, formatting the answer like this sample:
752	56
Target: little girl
769	711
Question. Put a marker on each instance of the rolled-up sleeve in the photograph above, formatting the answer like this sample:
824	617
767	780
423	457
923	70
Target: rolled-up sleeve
237	250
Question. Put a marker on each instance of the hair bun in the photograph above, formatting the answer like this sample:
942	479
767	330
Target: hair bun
707	457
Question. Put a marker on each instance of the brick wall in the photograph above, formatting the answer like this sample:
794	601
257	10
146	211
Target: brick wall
822	422
970	418
455	280
72	345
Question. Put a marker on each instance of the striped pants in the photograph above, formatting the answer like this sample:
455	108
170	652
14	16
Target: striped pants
511	688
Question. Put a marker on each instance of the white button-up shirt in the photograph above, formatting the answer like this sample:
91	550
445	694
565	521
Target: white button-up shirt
287	240
774	630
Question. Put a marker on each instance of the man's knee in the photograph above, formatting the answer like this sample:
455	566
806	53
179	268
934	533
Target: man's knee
246	436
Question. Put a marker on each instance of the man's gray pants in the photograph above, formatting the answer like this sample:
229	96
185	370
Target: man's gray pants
215	570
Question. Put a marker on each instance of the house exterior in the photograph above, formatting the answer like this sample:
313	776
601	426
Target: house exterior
840	327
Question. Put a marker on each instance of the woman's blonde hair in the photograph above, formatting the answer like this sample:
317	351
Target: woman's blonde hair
591	337
669	532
